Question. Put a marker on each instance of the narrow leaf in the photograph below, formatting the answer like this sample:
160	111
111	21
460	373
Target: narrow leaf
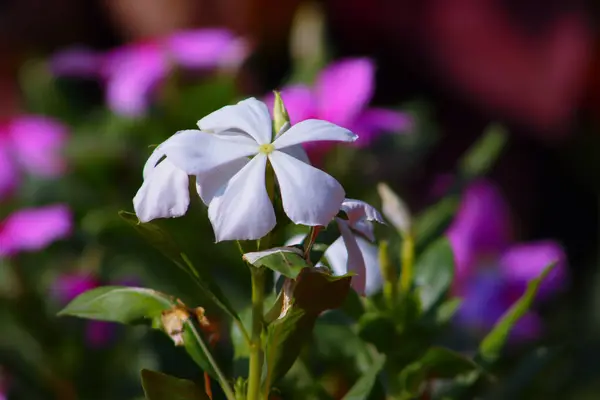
159	386
394	209
363	387
492	344
163	242
484	152
287	261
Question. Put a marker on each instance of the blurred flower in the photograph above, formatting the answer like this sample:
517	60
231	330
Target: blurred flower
132	72
351	252
67	287
341	95
3	384
492	272
231	184
33	229
32	144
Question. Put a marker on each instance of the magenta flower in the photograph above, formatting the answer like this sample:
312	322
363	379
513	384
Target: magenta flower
31	144
68	286
341	94
131	73
492	271
3	384
33	229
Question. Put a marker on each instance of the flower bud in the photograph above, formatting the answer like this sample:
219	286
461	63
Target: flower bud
280	114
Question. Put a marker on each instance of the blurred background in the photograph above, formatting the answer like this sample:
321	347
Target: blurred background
87	87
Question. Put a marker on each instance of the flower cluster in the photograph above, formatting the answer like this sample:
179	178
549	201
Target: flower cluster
132	72
231	155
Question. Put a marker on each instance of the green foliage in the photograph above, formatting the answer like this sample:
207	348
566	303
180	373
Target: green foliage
159	386
288	261
434	272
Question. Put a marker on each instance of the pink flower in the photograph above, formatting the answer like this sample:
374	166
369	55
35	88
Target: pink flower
341	94
132	72
492	271
33	229
31	144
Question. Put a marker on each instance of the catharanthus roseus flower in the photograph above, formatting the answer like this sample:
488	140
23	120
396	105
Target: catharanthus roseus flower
352	251
131	73
31	144
33	229
229	156
341	94
491	271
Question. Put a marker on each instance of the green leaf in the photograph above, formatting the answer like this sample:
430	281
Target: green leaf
434	272
434	220
288	261
363	387
159	386
195	350
162	241
126	305
313	292
492	344
394	209
480	157
446	310
437	362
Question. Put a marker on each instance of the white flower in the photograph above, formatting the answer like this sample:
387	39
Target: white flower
232	184
352	252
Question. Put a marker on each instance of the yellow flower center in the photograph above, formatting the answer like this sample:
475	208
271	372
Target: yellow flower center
266	148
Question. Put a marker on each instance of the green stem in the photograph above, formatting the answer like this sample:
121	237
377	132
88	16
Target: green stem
256	353
408	258
222	379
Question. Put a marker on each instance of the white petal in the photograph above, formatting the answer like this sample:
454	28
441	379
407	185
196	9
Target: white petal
250	115
156	155
358	210
312	130
365	228
349	252
241	209
297	152
310	196
209	183
370	253
164	193
198	152
296	239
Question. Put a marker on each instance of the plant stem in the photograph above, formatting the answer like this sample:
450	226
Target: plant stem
222	379
256	353
408	258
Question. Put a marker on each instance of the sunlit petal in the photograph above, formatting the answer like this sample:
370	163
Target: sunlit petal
197	152
164	193
210	183
250	115
312	130
310	196
241	209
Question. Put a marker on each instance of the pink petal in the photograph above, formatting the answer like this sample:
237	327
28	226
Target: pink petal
344	88
376	121
132	74
206	48
33	229
77	62
526	261
37	143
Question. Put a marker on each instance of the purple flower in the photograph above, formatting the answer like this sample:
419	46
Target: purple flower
33	229
341	94
31	144
131	73
492	271
4	383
